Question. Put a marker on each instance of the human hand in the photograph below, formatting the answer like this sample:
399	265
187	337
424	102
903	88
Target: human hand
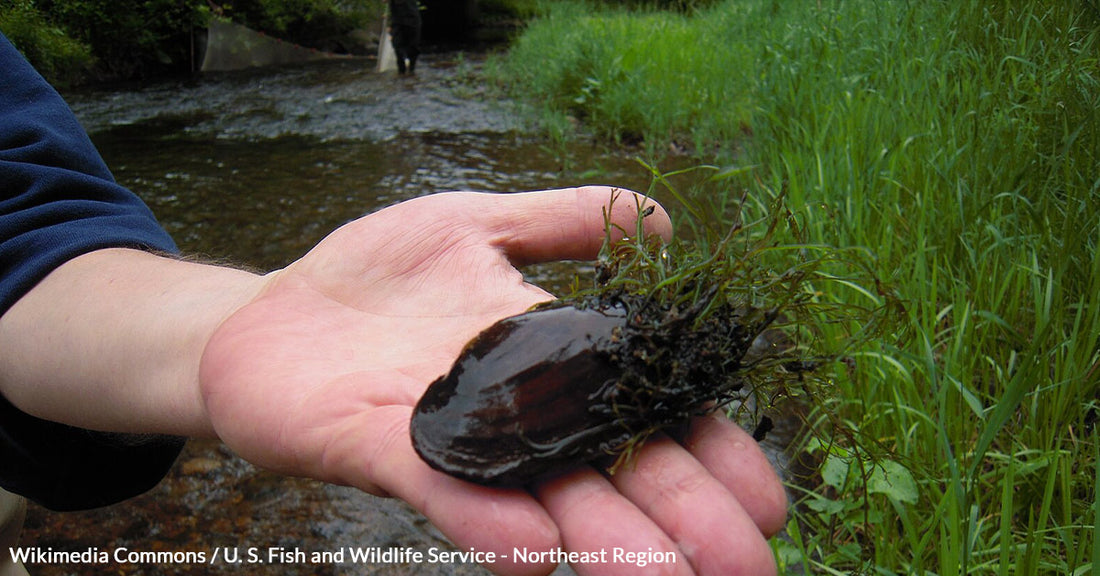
318	376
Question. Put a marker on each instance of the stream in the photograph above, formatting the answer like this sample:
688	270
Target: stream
253	168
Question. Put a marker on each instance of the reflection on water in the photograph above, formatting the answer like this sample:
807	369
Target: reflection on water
264	203
258	166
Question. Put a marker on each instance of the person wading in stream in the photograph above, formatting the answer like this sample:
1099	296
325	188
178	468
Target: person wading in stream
405	33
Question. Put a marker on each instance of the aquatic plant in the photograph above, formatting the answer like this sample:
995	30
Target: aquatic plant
666	333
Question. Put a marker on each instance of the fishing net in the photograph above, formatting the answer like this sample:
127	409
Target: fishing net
231	46
387	59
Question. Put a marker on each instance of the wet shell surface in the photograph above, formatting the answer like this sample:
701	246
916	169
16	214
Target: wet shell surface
564	384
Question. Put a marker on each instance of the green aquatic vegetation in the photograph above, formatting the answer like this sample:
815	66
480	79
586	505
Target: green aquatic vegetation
742	262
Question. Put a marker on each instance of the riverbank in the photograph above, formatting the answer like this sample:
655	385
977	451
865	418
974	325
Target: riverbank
958	143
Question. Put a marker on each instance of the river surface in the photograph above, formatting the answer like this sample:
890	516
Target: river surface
254	168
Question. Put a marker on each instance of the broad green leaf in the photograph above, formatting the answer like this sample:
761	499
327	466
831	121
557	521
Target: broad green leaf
894	480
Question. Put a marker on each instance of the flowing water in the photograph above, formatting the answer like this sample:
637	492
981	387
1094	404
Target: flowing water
253	168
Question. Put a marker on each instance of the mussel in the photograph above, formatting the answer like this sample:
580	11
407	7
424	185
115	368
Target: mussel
570	382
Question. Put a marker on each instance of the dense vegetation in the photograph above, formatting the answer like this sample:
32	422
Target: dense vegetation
957	142
72	40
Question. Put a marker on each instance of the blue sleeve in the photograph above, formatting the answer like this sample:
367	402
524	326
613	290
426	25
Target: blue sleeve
58	200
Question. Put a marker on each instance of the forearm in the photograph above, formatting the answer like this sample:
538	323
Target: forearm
111	340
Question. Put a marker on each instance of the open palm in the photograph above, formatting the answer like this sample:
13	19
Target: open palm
318	375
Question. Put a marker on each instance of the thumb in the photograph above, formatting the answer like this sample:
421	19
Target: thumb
570	223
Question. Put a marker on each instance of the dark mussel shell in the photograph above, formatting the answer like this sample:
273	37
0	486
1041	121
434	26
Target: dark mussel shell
562	385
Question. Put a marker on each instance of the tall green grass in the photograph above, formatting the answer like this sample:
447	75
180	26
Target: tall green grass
634	75
960	143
